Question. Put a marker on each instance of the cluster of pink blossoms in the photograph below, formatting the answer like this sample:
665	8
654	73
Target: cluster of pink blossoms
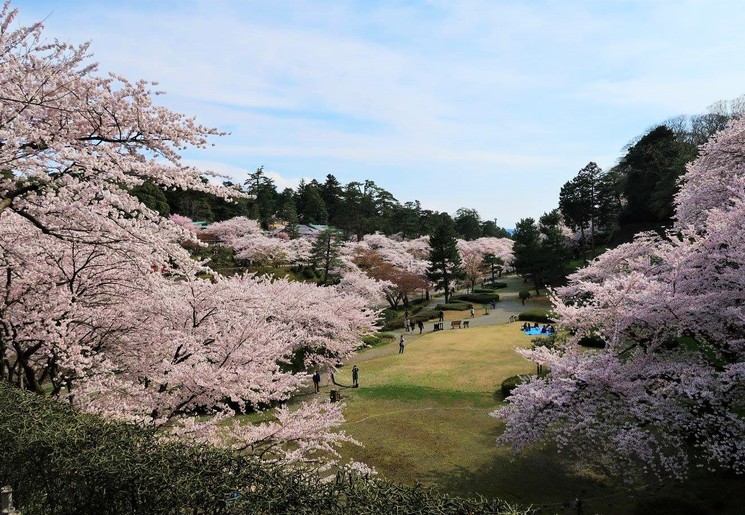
99	303
668	389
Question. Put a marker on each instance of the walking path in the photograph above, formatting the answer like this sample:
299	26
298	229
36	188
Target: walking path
509	304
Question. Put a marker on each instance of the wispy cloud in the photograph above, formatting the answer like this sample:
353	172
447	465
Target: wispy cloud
411	93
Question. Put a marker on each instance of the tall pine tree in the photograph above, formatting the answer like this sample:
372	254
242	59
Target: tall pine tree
444	259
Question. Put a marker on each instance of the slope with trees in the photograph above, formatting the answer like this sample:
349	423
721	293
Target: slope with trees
102	306
665	392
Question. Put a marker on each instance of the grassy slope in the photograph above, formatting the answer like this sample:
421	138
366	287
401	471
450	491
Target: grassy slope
423	416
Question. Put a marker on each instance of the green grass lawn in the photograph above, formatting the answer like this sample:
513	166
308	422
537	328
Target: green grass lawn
424	416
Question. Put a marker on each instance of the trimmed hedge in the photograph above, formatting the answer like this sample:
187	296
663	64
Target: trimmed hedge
373	340
535	316
454	306
510	384
495	285
427	314
424	315
59	461
478	298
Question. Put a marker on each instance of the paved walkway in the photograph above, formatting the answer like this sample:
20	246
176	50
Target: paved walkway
509	304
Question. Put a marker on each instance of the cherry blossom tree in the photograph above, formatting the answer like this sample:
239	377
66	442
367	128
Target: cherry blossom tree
666	392
396	283
473	252
101	305
401	265
233	229
184	221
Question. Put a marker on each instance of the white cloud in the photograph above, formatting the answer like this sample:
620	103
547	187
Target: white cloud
405	93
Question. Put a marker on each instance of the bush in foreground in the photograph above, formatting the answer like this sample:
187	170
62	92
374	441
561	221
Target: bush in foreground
60	461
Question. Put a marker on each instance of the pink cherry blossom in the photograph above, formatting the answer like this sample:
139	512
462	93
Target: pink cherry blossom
668	385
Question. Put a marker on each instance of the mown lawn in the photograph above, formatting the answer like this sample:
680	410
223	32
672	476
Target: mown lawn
424	416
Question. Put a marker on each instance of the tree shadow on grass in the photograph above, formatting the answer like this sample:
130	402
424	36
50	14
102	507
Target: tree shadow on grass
551	484
532	479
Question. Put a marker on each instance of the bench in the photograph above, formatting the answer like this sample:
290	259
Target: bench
454	324
438	326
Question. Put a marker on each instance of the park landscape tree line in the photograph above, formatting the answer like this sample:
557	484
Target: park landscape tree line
103	306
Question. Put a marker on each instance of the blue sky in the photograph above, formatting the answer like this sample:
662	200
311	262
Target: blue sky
490	105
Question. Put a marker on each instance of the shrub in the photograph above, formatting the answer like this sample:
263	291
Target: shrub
427	314
484	290
510	384
496	285
389	314
549	341
393	325
416	309
535	316
592	341
454	306
479	298
373	340
60	461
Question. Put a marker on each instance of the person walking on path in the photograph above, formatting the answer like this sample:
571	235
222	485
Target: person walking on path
401	345
421	326
473	314
317	381
442	316
355	376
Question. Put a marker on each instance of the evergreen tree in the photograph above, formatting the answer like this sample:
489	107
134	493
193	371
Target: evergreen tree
311	207
444	258
554	252
324	255
153	197
468	223
263	205
541	254
527	250
580	202
494	264
651	169
331	192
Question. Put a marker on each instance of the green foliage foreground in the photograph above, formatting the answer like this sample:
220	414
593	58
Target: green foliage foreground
59	461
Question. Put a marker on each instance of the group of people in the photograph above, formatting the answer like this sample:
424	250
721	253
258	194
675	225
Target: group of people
316	377
410	325
546	329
